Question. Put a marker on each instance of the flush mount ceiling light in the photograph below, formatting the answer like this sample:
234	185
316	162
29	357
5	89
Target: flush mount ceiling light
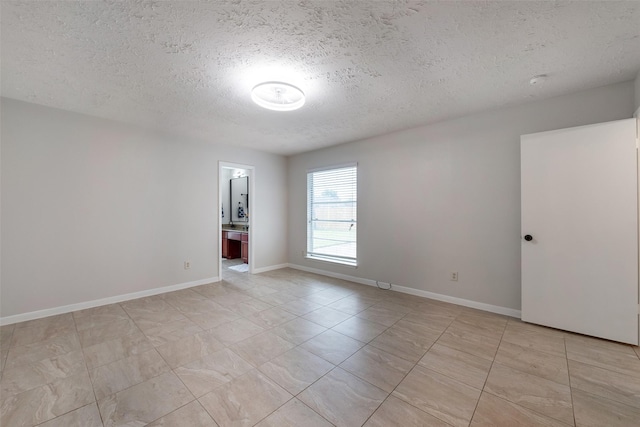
278	96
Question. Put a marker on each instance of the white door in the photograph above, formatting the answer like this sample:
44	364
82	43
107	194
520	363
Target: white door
580	208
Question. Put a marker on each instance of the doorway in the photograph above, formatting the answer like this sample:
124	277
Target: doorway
237	217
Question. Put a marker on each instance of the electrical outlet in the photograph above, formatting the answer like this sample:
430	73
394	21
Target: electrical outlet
453	276
187	265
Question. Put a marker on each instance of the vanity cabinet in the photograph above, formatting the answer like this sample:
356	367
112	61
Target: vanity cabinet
225	245
235	244
245	248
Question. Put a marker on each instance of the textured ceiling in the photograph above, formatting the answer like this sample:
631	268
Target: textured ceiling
367	67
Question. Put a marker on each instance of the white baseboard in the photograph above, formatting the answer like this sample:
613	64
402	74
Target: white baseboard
8	320
360	280
460	301
417	292
269	268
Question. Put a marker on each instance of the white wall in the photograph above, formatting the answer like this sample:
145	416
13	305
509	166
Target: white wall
95	209
446	197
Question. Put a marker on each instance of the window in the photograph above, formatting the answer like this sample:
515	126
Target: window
332	204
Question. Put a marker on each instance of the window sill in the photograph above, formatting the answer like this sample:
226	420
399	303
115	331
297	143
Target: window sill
353	264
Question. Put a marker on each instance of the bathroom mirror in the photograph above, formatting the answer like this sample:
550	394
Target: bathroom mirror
239	199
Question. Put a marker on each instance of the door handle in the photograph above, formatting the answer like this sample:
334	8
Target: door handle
528	237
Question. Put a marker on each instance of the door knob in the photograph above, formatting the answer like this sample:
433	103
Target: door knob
528	237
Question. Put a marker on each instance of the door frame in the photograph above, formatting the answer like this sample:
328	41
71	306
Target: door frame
252	214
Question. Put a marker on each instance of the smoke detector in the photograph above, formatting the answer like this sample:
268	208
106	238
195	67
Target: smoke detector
536	80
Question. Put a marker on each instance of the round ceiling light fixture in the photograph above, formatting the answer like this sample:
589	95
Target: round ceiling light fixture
278	96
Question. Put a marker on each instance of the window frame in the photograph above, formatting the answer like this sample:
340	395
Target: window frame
331	258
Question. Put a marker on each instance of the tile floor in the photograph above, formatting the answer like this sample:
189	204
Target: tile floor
289	348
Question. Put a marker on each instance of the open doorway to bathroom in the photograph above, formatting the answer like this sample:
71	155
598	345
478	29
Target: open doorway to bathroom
236	215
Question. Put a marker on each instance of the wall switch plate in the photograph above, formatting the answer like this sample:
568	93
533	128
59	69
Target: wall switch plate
187	265
453	276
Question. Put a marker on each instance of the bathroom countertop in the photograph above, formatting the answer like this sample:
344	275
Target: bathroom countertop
239	228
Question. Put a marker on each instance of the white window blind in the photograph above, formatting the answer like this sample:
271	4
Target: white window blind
332	204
